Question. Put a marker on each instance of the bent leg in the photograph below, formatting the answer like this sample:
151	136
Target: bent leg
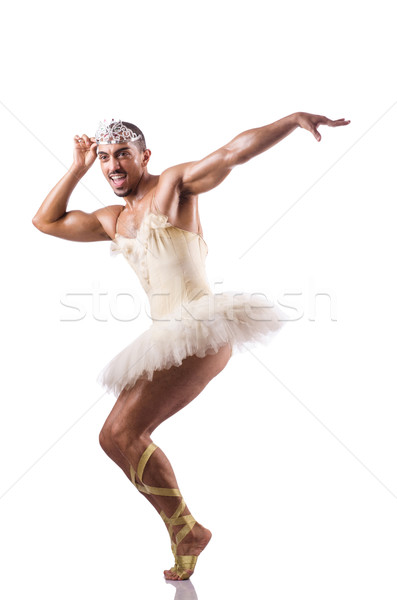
111	449
135	416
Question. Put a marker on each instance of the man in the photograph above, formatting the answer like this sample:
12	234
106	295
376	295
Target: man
142	407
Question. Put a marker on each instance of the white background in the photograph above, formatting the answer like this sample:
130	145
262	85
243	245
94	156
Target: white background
288	456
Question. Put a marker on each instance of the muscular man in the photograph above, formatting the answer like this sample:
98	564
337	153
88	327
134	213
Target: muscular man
158	230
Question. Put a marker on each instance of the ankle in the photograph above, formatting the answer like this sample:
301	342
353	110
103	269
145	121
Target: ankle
196	533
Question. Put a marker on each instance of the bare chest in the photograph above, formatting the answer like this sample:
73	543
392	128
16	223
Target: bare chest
129	222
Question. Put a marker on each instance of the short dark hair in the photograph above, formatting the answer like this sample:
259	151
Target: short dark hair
141	143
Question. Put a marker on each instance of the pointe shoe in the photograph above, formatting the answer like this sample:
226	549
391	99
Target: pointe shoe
183	563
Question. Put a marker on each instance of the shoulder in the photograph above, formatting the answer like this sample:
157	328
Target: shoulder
174	201
107	216
170	191
172	183
176	174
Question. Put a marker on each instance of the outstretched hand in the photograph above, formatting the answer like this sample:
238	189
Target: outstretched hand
311	122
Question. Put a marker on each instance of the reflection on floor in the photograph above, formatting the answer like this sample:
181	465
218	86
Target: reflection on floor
184	590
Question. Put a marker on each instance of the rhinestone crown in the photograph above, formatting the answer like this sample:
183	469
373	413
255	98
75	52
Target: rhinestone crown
114	133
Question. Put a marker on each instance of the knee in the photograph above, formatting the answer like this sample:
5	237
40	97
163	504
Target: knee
105	440
124	436
111	436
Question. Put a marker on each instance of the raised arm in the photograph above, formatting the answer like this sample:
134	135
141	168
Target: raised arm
203	175
76	225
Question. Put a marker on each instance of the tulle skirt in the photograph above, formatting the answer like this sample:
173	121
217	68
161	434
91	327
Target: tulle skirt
199	327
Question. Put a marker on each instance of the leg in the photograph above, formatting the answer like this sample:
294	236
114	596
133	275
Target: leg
180	522
134	417
111	449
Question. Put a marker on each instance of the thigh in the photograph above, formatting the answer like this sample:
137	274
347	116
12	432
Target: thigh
145	406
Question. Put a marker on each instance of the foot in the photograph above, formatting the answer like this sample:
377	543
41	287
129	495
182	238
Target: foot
192	545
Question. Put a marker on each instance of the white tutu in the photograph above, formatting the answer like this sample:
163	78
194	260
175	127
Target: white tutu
200	327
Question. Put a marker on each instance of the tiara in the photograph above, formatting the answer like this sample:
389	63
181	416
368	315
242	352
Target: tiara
114	133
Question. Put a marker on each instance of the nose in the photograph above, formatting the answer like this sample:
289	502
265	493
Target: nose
113	164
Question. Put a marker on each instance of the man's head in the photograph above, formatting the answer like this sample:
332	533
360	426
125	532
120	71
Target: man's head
123	155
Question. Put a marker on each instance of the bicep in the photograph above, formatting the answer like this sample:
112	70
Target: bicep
203	175
77	226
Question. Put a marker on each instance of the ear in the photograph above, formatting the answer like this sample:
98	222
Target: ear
146	154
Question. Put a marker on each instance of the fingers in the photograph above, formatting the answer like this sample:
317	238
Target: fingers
338	122
316	134
330	123
83	141
342	122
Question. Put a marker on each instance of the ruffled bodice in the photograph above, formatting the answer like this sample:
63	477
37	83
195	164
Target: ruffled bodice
169	262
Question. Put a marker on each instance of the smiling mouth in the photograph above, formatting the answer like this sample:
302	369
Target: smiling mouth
118	180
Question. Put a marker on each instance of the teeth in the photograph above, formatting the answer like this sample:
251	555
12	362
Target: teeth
118	177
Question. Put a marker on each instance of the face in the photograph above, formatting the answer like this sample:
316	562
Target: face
123	165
